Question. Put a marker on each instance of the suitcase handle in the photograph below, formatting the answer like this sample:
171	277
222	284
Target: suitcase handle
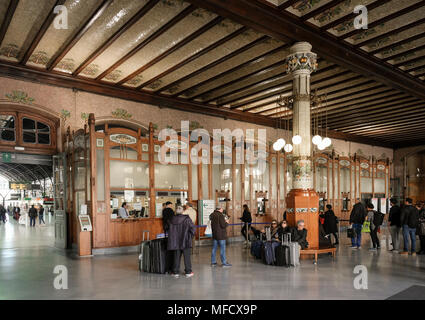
286	238
143	235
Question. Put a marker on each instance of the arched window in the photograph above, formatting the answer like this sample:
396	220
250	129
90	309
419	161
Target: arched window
7	128
35	132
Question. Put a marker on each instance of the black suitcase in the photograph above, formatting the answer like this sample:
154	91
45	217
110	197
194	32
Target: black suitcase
282	255
158	255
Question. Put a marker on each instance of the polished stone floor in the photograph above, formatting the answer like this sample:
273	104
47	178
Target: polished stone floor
27	260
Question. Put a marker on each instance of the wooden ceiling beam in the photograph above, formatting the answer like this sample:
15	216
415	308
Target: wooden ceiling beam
390	33
249	63
401	112
289	81
361	114
316	12
385	19
46	24
148	40
283	25
253	74
53	78
402	54
399	43
174	48
195	56
8	18
213	64
353	15
409	61
400	128
139	15
287	4
81	32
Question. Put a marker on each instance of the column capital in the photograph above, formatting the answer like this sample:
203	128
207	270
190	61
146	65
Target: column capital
301	59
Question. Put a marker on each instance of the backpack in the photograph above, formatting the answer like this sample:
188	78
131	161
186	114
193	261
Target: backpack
378	218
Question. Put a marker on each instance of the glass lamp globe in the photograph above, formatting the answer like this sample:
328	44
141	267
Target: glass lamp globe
317	140
321	145
327	142
296	139
276	146
281	142
288	148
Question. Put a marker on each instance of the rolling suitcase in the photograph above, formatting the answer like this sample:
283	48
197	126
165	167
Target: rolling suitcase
268	252
144	253
158	255
282	253
294	252
256	248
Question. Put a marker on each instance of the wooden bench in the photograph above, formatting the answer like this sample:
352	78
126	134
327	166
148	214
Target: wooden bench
317	251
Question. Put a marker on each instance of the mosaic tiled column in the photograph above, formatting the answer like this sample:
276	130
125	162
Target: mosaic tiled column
302	201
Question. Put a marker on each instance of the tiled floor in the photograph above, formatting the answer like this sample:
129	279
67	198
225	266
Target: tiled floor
27	260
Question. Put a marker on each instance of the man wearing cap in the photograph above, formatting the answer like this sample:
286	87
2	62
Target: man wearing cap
219	224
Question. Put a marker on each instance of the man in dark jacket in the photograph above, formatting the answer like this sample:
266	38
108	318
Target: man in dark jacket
219	224
2	214
375	218
395	224
246	219
180	233
33	215
167	214
357	217
409	220
299	234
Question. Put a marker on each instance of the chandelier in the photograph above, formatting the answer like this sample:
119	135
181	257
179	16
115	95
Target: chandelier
316	101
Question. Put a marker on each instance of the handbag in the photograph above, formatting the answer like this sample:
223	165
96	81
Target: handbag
208	230
366	227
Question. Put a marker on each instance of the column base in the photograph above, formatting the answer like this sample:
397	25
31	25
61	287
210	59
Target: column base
304	205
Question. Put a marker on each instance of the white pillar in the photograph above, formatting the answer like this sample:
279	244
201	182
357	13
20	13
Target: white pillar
301	63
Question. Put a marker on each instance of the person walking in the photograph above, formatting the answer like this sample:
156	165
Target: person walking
219	224
375	218
181	230
33	215
357	217
421	228
16	213
330	224
246	219
41	215
409	220
395	224
2	214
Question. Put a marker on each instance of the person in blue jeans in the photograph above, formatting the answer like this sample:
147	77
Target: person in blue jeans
409	220
357	218
219	224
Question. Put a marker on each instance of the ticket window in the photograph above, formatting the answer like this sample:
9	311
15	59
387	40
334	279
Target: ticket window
322	201
345	201
177	198
223	200
261	200
137	202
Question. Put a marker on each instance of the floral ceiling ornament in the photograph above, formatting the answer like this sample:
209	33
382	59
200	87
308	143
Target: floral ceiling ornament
66	65
114	75
135	81
39	57
301	61
305	5
121	114
91	70
65	115
85	117
11	50
20	97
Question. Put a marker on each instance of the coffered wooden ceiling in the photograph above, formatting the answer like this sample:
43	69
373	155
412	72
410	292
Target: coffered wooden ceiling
226	58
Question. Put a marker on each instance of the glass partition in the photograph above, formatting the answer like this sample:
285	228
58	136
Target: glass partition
137	202
128	174
171	176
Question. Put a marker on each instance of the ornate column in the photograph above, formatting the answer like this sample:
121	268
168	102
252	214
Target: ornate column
302	201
